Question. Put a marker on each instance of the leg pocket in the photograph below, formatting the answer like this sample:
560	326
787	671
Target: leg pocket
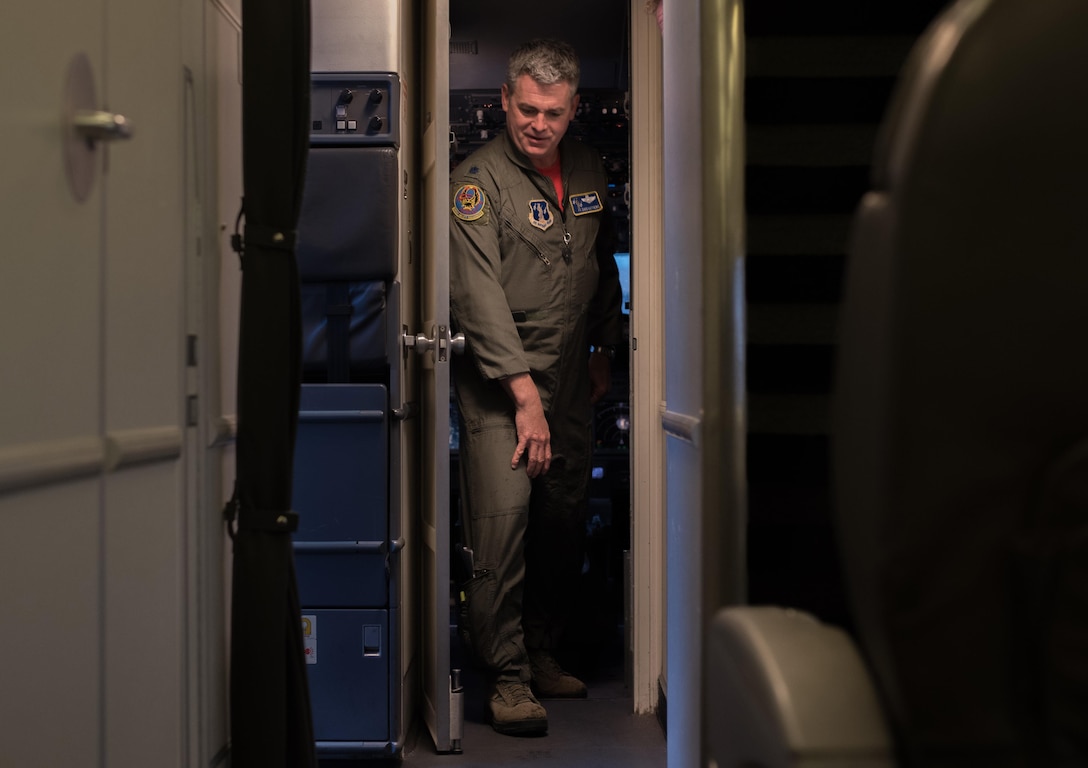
477	617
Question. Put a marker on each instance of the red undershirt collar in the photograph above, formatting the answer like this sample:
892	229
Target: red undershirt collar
554	172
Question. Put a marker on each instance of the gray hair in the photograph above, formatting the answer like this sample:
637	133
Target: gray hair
546	61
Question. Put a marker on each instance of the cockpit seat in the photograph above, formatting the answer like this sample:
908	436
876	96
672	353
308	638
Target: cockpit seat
788	690
960	438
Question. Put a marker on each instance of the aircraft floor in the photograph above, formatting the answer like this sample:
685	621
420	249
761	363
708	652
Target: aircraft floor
599	732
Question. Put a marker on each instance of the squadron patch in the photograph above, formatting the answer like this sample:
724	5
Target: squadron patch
540	214
468	202
586	202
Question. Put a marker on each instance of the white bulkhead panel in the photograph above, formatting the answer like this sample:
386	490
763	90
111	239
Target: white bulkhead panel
350	36
99	456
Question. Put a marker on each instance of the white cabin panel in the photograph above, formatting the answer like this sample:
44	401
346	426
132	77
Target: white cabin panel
95	575
351	36
144	616
51	645
145	217
49	291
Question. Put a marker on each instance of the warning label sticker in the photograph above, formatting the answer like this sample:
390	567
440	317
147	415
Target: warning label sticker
309	638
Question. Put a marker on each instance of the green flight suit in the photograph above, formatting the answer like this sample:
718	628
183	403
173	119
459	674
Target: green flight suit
531	287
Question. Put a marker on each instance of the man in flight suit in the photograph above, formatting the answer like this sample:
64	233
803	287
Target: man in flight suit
533	284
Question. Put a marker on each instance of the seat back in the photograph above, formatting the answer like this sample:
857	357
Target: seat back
347	260
961	404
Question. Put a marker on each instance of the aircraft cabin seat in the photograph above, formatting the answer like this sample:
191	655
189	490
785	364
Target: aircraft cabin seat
960	423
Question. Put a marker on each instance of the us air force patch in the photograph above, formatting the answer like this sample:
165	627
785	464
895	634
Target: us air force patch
586	202
540	215
468	202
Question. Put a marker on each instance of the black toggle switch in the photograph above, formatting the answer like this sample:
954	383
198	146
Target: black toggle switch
342	102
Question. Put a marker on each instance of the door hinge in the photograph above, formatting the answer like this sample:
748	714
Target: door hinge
457	710
192	411
190	350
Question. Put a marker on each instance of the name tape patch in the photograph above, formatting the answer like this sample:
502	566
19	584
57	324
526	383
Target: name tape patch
586	202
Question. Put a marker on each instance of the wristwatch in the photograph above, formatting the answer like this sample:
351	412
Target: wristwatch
607	350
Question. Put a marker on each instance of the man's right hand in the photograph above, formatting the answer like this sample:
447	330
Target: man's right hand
534	436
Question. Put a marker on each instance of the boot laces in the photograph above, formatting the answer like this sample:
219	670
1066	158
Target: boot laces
547	665
515	694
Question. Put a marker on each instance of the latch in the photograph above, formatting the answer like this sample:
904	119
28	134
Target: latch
441	343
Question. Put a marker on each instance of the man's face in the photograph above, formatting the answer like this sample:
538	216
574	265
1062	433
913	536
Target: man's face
537	116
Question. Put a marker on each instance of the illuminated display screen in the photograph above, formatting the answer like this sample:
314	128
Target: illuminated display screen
623	261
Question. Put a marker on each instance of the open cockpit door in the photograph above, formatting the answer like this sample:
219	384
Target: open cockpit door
441	712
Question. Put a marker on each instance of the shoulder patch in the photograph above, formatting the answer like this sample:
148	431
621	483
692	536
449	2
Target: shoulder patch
468	202
585	202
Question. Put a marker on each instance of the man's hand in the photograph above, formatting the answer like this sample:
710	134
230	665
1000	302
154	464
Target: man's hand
534	436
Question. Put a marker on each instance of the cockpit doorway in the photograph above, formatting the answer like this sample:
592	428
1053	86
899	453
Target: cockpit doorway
483	34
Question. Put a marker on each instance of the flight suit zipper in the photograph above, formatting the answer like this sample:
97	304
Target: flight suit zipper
569	285
528	243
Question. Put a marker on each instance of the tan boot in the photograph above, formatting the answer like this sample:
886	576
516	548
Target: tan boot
514	710
550	681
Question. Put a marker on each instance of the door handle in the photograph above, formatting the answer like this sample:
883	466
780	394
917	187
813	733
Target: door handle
85	126
96	125
442	343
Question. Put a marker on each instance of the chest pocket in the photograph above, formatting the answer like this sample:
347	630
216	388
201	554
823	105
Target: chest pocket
527	267
535	274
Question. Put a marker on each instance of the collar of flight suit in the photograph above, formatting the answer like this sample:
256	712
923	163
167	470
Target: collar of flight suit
521	160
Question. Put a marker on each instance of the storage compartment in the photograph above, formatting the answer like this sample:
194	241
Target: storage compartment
348	661
341	495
